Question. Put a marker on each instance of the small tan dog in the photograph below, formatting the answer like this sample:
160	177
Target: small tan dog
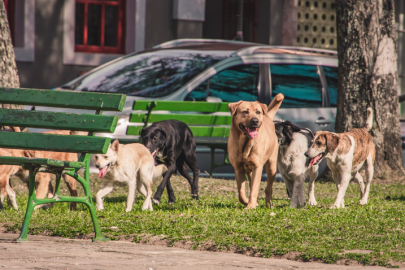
132	164
346	154
43	180
253	143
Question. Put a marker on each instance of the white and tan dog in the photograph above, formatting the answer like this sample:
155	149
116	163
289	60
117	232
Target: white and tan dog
292	164
346	154
131	164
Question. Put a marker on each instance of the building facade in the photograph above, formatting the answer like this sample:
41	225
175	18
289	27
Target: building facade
57	40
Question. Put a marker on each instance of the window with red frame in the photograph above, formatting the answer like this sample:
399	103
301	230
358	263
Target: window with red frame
100	26
10	16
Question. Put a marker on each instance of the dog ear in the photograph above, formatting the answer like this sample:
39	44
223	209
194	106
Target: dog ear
164	135
288	132
115	145
233	106
293	127
289	129
332	142
264	107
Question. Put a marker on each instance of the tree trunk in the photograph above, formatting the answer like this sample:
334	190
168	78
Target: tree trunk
8	67
368	76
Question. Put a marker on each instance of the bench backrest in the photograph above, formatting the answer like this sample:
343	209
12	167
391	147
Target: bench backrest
59	120
198	115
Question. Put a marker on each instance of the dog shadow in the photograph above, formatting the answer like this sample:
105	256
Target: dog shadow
115	199
122	198
395	198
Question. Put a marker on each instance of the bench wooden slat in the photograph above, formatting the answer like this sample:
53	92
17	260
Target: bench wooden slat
55	120
42	161
62	99
198	131
209	143
189	119
52	142
210	131
185	106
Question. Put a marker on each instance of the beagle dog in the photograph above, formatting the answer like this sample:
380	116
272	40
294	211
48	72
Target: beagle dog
346	154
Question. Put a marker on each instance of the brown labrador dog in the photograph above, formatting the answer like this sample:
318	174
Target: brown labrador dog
253	143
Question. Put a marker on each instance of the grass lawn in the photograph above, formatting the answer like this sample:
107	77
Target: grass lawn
371	234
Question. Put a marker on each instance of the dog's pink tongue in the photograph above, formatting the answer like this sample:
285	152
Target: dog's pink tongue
253	132
315	159
102	172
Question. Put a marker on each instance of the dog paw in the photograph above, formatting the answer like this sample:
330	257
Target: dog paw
44	206
312	202
251	206
155	201
337	206
363	202
195	196
245	203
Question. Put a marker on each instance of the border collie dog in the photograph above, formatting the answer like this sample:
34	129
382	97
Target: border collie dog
292	164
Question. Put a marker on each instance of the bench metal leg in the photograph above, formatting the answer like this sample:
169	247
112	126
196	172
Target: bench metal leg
30	206
87	200
99	236
216	165
89	203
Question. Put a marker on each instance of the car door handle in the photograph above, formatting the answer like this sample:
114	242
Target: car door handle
322	121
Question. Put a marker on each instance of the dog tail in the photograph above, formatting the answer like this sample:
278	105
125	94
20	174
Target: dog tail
369	121
159	170
274	105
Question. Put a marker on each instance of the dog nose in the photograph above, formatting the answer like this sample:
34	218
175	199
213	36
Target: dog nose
306	154
97	166
254	121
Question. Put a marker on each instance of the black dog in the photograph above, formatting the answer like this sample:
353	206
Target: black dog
172	143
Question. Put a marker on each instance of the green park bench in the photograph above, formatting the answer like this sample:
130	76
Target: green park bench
85	145
209	129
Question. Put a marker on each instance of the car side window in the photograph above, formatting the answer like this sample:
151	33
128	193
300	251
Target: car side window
150	74
230	85
300	85
331	74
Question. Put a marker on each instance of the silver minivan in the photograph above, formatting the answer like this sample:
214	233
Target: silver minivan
227	71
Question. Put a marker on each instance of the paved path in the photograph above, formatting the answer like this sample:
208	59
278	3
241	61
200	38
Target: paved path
43	252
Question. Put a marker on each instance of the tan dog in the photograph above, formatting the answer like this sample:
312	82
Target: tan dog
253	143
132	164
6	171
43	180
346	154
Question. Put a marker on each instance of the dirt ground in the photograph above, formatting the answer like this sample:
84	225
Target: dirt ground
44	252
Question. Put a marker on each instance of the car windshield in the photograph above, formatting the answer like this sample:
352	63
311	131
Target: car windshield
151	74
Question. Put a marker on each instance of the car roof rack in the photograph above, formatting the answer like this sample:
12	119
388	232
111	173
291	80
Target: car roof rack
284	49
198	41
